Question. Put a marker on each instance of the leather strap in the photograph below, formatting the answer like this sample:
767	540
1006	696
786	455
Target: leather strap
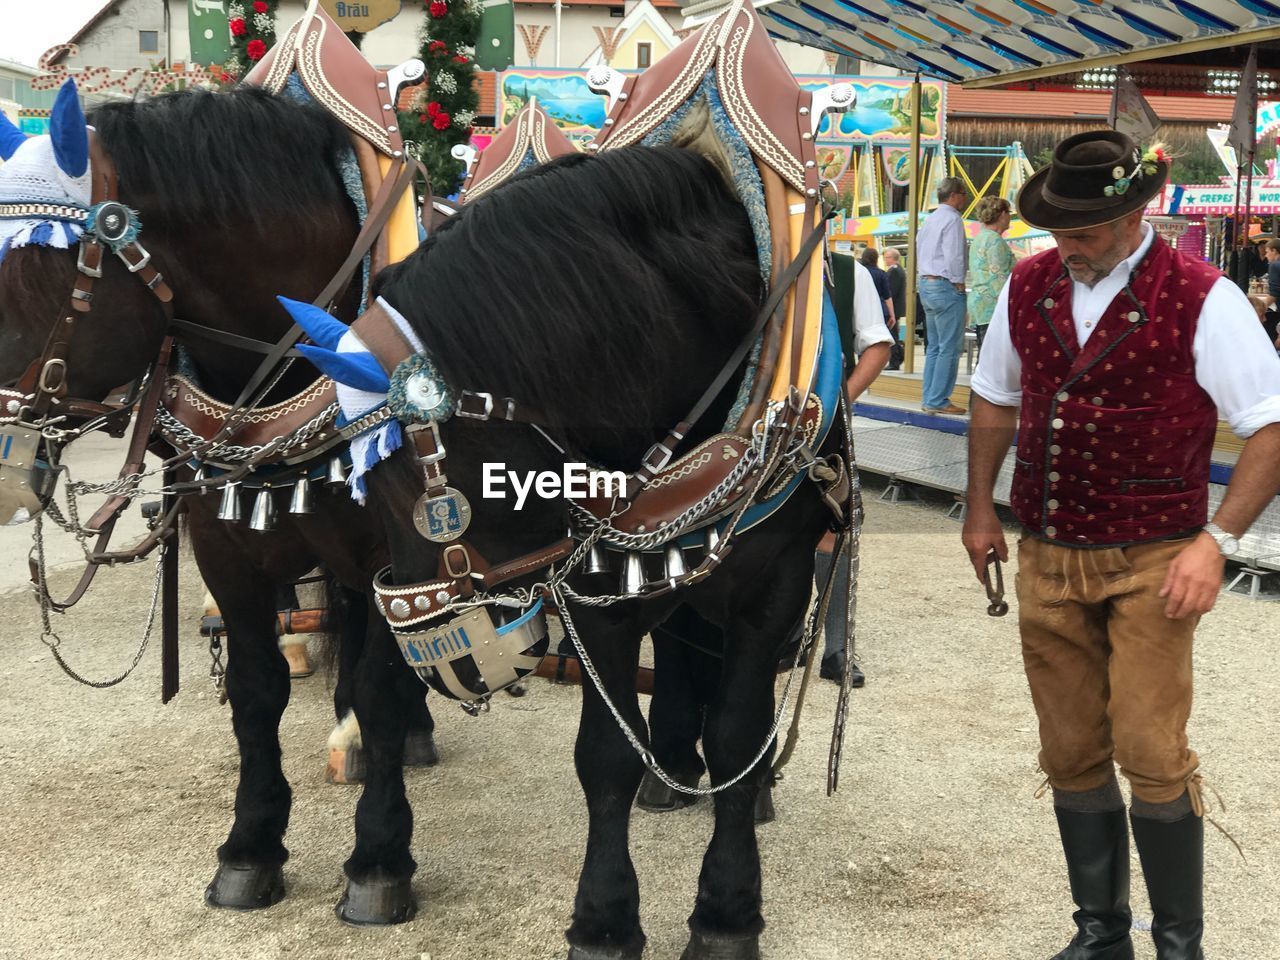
104	520
384	204
660	453
230	339
169	675
379	333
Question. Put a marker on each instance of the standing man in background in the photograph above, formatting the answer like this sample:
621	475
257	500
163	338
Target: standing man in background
940	266
898	291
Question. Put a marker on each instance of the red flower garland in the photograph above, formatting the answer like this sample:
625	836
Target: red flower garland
459	58
433	108
256	49
437	9
238	27
441	121
438	47
259	6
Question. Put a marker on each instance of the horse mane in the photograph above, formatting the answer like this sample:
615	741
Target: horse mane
230	158
578	286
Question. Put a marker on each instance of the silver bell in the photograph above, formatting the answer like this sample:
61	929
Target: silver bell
229	506
596	561
337	473
632	574
300	499
673	562
263	517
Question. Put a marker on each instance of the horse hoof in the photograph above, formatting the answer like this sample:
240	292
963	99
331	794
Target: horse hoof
765	812
606	953
377	902
346	766
704	946
656	797
245	886
420	749
295	654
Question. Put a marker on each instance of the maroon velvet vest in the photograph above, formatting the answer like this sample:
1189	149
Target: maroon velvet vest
1115	439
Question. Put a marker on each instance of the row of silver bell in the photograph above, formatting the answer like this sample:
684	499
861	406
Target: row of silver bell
263	516
633	575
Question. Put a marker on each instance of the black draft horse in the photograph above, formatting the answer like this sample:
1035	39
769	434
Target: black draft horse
239	200
647	278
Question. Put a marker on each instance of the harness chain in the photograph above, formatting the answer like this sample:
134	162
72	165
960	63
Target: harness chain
49	636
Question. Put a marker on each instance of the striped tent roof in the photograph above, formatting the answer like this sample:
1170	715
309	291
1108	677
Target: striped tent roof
1000	41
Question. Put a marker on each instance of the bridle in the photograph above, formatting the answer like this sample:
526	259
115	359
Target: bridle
41	392
38	408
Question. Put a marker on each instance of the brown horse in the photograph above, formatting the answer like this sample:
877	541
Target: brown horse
239	199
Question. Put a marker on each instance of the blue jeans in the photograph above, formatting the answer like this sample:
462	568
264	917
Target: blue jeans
944	313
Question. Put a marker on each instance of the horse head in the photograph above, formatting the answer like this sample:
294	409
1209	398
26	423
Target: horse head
46	209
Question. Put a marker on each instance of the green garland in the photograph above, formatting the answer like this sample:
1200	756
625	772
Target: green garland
443	111
253	31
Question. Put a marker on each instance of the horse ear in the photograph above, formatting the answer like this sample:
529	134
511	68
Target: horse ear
68	132
11	138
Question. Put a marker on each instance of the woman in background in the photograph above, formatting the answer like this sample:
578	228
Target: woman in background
990	261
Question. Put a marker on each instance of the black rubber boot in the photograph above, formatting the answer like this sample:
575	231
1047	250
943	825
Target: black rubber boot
1172	854
1097	850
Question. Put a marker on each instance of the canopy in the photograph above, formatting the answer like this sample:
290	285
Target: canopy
1000	41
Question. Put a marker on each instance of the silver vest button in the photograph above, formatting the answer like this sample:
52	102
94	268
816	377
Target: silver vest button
1063	397
1091	427
1087	456
1053	504
1058	423
1097	401
1049	303
1054	477
1055	449
1134	316
1050	531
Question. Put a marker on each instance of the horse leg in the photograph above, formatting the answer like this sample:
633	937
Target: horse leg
606	910
346	749
380	867
249	872
682	667
726	920
347	761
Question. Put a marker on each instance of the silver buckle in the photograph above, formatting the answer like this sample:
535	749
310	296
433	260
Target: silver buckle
488	406
83	267
135	267
435	434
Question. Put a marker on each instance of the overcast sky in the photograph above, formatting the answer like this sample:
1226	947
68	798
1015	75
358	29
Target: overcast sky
30	27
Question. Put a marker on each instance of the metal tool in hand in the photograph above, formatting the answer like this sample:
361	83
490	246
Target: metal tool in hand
995	586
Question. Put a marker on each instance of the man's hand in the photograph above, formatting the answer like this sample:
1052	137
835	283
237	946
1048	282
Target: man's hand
1194	579
983	533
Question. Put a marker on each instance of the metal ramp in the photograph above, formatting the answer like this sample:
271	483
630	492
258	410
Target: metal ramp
909	455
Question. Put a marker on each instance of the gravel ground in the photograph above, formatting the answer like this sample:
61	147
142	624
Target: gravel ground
933	848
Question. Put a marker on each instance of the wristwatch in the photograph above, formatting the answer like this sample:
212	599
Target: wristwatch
1227	544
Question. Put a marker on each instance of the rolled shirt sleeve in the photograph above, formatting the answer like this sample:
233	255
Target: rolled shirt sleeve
868	311
1236	363
998	378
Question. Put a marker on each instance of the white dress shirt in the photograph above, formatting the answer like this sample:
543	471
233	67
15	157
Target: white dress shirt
941	245
868	311
1235	362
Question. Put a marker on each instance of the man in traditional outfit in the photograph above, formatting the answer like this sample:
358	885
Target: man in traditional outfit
1113	356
